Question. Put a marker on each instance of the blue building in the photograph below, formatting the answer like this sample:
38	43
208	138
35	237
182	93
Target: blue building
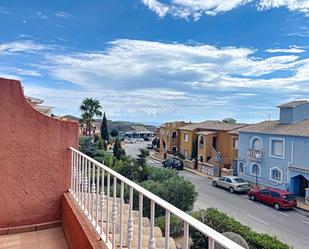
276	153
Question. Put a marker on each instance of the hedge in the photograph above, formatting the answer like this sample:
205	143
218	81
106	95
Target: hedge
221	222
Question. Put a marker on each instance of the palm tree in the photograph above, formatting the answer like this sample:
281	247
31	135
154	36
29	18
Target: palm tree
90	108
141	160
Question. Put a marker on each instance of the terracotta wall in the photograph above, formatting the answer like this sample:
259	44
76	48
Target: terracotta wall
77	229
34	160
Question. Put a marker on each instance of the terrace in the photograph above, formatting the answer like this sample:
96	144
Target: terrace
54	196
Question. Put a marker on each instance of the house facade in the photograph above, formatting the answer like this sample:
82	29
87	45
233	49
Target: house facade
276	153
216	142
169	136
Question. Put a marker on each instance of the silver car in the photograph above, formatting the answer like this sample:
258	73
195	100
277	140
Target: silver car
232	183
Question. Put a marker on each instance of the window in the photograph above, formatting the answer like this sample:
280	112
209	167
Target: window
264	192
241	168
228	180
276	147
235	143
201	140
174	134
201	158
255	169
186	137
275	174
275	195
257	144
185	153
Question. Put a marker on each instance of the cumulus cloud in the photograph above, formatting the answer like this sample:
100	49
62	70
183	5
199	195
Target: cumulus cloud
27	46
133	63
196	8
41	15
146	80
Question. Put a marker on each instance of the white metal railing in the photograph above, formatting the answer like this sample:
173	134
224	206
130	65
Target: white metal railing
93	195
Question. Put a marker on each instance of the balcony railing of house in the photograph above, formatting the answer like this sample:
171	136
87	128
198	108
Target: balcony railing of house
255	155
100	193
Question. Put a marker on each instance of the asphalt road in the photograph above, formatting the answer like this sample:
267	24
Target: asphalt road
291	226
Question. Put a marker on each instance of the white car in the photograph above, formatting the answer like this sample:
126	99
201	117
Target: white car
232	183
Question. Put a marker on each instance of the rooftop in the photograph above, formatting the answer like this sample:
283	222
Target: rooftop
212	125
274	127
293	104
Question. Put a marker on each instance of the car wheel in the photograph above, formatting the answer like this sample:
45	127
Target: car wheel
252	197
231	190
214	183
276	206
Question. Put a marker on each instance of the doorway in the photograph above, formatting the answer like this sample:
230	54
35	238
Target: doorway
214	142
299	183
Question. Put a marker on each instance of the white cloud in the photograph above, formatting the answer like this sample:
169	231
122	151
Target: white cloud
41	15
293	50
292	5
131	64
196	8
4	10
147	80
27	46
63	14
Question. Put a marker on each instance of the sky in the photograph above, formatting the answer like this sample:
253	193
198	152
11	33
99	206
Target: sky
155	61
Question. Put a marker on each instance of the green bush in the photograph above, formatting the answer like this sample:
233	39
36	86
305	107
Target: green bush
183	196
221	222
176	225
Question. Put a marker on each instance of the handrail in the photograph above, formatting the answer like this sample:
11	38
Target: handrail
206	230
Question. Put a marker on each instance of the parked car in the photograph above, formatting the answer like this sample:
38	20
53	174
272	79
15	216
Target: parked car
232	183
149	146
279	199
174	163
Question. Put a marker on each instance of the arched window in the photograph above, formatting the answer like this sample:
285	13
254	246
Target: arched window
257	144
275	174
201	159
201	140
241	168
174	149
255	169
174	134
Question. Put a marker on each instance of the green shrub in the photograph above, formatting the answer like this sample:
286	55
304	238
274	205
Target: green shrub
176	225
221	222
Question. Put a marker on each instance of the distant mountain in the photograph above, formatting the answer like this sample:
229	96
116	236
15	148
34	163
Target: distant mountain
118	125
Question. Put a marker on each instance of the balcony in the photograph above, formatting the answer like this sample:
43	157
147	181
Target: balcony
46	184
255	155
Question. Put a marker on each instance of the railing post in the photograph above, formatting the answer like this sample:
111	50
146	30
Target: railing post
102	201
86	185
130	221
107	204
167	229
121	214
93	192
97	201
114	212
89	188
152	241
211	243
186	235
140	221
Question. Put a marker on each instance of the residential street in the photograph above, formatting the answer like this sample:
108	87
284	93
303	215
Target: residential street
291	226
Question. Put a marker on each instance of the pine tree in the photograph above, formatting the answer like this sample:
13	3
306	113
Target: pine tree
104	129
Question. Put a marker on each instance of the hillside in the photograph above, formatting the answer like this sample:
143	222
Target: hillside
118	125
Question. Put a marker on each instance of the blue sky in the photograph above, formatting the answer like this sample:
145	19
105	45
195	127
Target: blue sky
155	61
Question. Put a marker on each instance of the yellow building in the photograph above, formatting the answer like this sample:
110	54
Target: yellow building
169	136
215	142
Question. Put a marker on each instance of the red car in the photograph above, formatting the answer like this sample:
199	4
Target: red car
279	199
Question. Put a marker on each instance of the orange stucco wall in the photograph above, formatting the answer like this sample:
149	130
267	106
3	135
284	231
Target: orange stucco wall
34	160
77	229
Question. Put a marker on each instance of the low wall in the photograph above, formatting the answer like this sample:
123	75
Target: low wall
34	160
206	168
77	229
